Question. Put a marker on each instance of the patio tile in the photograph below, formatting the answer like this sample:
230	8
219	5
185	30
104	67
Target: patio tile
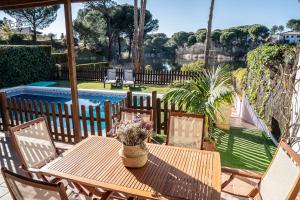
6	197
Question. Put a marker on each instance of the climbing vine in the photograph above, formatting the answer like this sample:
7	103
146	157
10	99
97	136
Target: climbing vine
270	80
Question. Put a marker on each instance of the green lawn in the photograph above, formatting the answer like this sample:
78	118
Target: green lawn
100	86
244	149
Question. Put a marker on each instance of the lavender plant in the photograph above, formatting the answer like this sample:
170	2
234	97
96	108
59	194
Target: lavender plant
132	133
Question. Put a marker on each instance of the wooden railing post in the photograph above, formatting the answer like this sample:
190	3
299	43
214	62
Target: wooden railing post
129	99
4	112
108	117
154	108
158	116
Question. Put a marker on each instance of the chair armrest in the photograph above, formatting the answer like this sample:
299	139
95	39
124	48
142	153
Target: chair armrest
237	172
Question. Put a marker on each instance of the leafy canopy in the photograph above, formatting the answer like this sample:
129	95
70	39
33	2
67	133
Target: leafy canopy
205	93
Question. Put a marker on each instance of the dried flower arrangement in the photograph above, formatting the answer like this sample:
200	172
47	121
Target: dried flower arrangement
132	133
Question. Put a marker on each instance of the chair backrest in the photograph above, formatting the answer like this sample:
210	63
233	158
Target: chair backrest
111	74
185	130
128	75
23	188
33	143
129	114
282	179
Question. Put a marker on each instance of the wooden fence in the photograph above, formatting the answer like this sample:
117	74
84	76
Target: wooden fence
141	77
95	120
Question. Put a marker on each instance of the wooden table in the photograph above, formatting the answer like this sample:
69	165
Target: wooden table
171	172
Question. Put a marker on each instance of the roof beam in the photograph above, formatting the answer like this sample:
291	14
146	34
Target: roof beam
19	4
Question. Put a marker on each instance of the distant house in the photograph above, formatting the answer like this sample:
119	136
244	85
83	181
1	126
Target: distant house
24	30
290	37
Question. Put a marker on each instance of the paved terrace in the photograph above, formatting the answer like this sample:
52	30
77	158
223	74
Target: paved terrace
9	160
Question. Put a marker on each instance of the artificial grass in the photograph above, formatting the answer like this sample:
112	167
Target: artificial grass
244	148
95	85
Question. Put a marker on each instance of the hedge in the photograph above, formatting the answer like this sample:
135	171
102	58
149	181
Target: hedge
24	64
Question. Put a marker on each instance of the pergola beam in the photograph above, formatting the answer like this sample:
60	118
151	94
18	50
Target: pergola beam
72	71
19	4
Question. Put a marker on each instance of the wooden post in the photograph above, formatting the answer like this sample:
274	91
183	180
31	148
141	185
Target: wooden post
72	71
154	108
4	113
129	99
158	116
108	117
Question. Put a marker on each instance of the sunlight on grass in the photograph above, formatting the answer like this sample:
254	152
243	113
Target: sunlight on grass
244	149
95	85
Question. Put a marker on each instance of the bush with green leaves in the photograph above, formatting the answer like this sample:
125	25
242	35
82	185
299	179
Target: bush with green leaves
59	58
25	64
196	66
270	80
205	93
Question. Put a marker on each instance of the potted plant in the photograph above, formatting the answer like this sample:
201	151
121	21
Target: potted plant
132	135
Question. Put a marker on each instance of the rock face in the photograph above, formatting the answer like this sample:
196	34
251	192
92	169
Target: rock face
196	52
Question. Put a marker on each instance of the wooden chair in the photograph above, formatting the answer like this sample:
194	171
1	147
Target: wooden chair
280	182
35	148
128	78
24	188
111	77
128	114
185	130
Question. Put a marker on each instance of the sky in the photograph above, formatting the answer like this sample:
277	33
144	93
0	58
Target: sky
190	15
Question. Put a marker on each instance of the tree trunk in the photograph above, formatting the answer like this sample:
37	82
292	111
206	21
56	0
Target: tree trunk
135	37
208	35
34	34
119	45
130	46
141	33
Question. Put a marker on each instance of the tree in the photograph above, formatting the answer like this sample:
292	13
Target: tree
138	36
124	20
274	29
258	33
156	43
181	38
201	35
205	93
208	35
293	24
106	8
5	31
281	28
36	18
90	28
215	36
192	39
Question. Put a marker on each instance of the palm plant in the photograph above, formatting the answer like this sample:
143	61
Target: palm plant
205	93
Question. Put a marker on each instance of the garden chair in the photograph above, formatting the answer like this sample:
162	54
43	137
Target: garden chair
35	148
111	77
128	114
281	181
128	78
185	130
24	188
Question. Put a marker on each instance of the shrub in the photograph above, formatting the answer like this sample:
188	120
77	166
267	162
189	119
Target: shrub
25	64
196	66
239	79
59	58
16	38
